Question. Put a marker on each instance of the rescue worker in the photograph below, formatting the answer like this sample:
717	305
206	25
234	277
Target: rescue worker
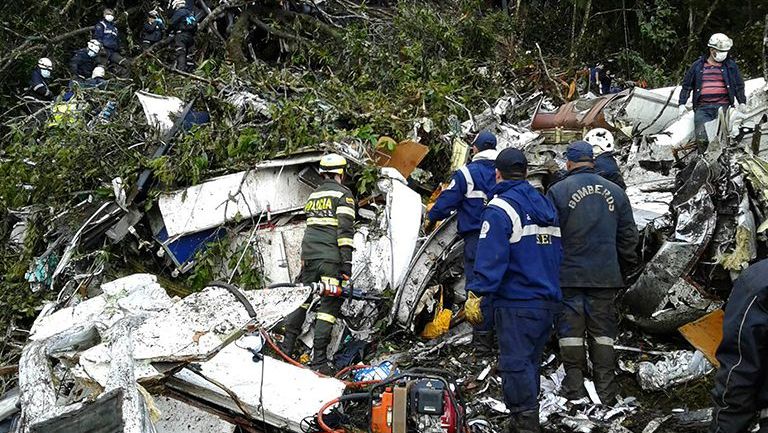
183	27
716	83
741	387
97	79
599	240
605	162
326	254
153	30
38	84
518	261
467	194
84	60
105	31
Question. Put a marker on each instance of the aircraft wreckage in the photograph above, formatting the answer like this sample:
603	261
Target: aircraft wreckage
127	356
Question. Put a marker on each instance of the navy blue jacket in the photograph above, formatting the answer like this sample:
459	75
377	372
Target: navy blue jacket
106	33
82	64
38	87
468	192
694	78
153	32
598	228
519	251
183	20
606	166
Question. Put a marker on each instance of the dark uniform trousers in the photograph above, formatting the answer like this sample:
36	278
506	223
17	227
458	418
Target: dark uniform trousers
588	312
184	43
329	309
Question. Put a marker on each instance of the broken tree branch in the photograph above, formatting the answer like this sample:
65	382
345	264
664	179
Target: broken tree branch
546	71
38	42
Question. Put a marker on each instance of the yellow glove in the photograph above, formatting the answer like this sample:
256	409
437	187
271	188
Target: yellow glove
472	309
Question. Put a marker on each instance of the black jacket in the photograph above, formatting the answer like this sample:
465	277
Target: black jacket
695	75
38	87
183	20
330	212
598	230
82	64
153	32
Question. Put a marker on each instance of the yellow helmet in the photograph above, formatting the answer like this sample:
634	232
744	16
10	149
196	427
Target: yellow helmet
333	163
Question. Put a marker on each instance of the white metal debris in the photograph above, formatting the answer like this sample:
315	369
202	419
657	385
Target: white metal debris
161	111
677	367
179	417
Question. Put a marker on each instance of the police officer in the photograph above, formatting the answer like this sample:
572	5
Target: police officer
153	30
518	261
599	240
183	27
605	162
467	194
84	60
741	382
326	253
38	84
105	31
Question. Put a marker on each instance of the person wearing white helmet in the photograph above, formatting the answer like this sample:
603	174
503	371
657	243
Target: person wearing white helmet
716	83
605	163
326	255
84	60
38	84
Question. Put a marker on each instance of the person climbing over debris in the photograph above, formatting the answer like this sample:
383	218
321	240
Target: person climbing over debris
153	30
741	384
518	260
84	60
467	194
602	147
326	254
183	27
38	82
599	240
105	31
716	83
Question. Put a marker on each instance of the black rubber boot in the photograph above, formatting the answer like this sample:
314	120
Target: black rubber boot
320	344
604	372
291	330
575	363
525	422
483	343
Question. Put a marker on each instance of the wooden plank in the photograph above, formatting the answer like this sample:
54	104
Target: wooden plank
705	334
405	158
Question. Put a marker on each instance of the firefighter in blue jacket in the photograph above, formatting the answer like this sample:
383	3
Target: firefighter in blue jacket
599	239
105	31
518	261
38	82
605	162
467	194
183	27
741	382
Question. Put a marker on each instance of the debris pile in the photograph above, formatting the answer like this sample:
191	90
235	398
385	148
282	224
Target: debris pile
130	354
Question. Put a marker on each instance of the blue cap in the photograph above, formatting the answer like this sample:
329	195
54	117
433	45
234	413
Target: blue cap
580	151
484	141
511	160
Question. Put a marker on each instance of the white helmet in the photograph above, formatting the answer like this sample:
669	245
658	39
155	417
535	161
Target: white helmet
601	140
720	42
178	4
98	72
45	63
94	45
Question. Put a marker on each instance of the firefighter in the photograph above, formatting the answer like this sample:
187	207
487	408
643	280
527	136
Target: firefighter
605	162
518	261
599	240
467	194
741	384
716	83
38	82
153	30
326	253
83	61
105	31
183	26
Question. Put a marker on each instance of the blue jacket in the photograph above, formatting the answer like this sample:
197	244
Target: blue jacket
598	228
183	20
82	64
606	166
153	32
519	250
694	77
468	192
38	87
106	33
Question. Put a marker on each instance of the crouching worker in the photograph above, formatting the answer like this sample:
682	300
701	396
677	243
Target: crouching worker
326	254
467	194
741	383
518	263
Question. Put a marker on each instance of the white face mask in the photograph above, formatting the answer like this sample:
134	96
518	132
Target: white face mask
92	53
45	73
109	18
720	55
